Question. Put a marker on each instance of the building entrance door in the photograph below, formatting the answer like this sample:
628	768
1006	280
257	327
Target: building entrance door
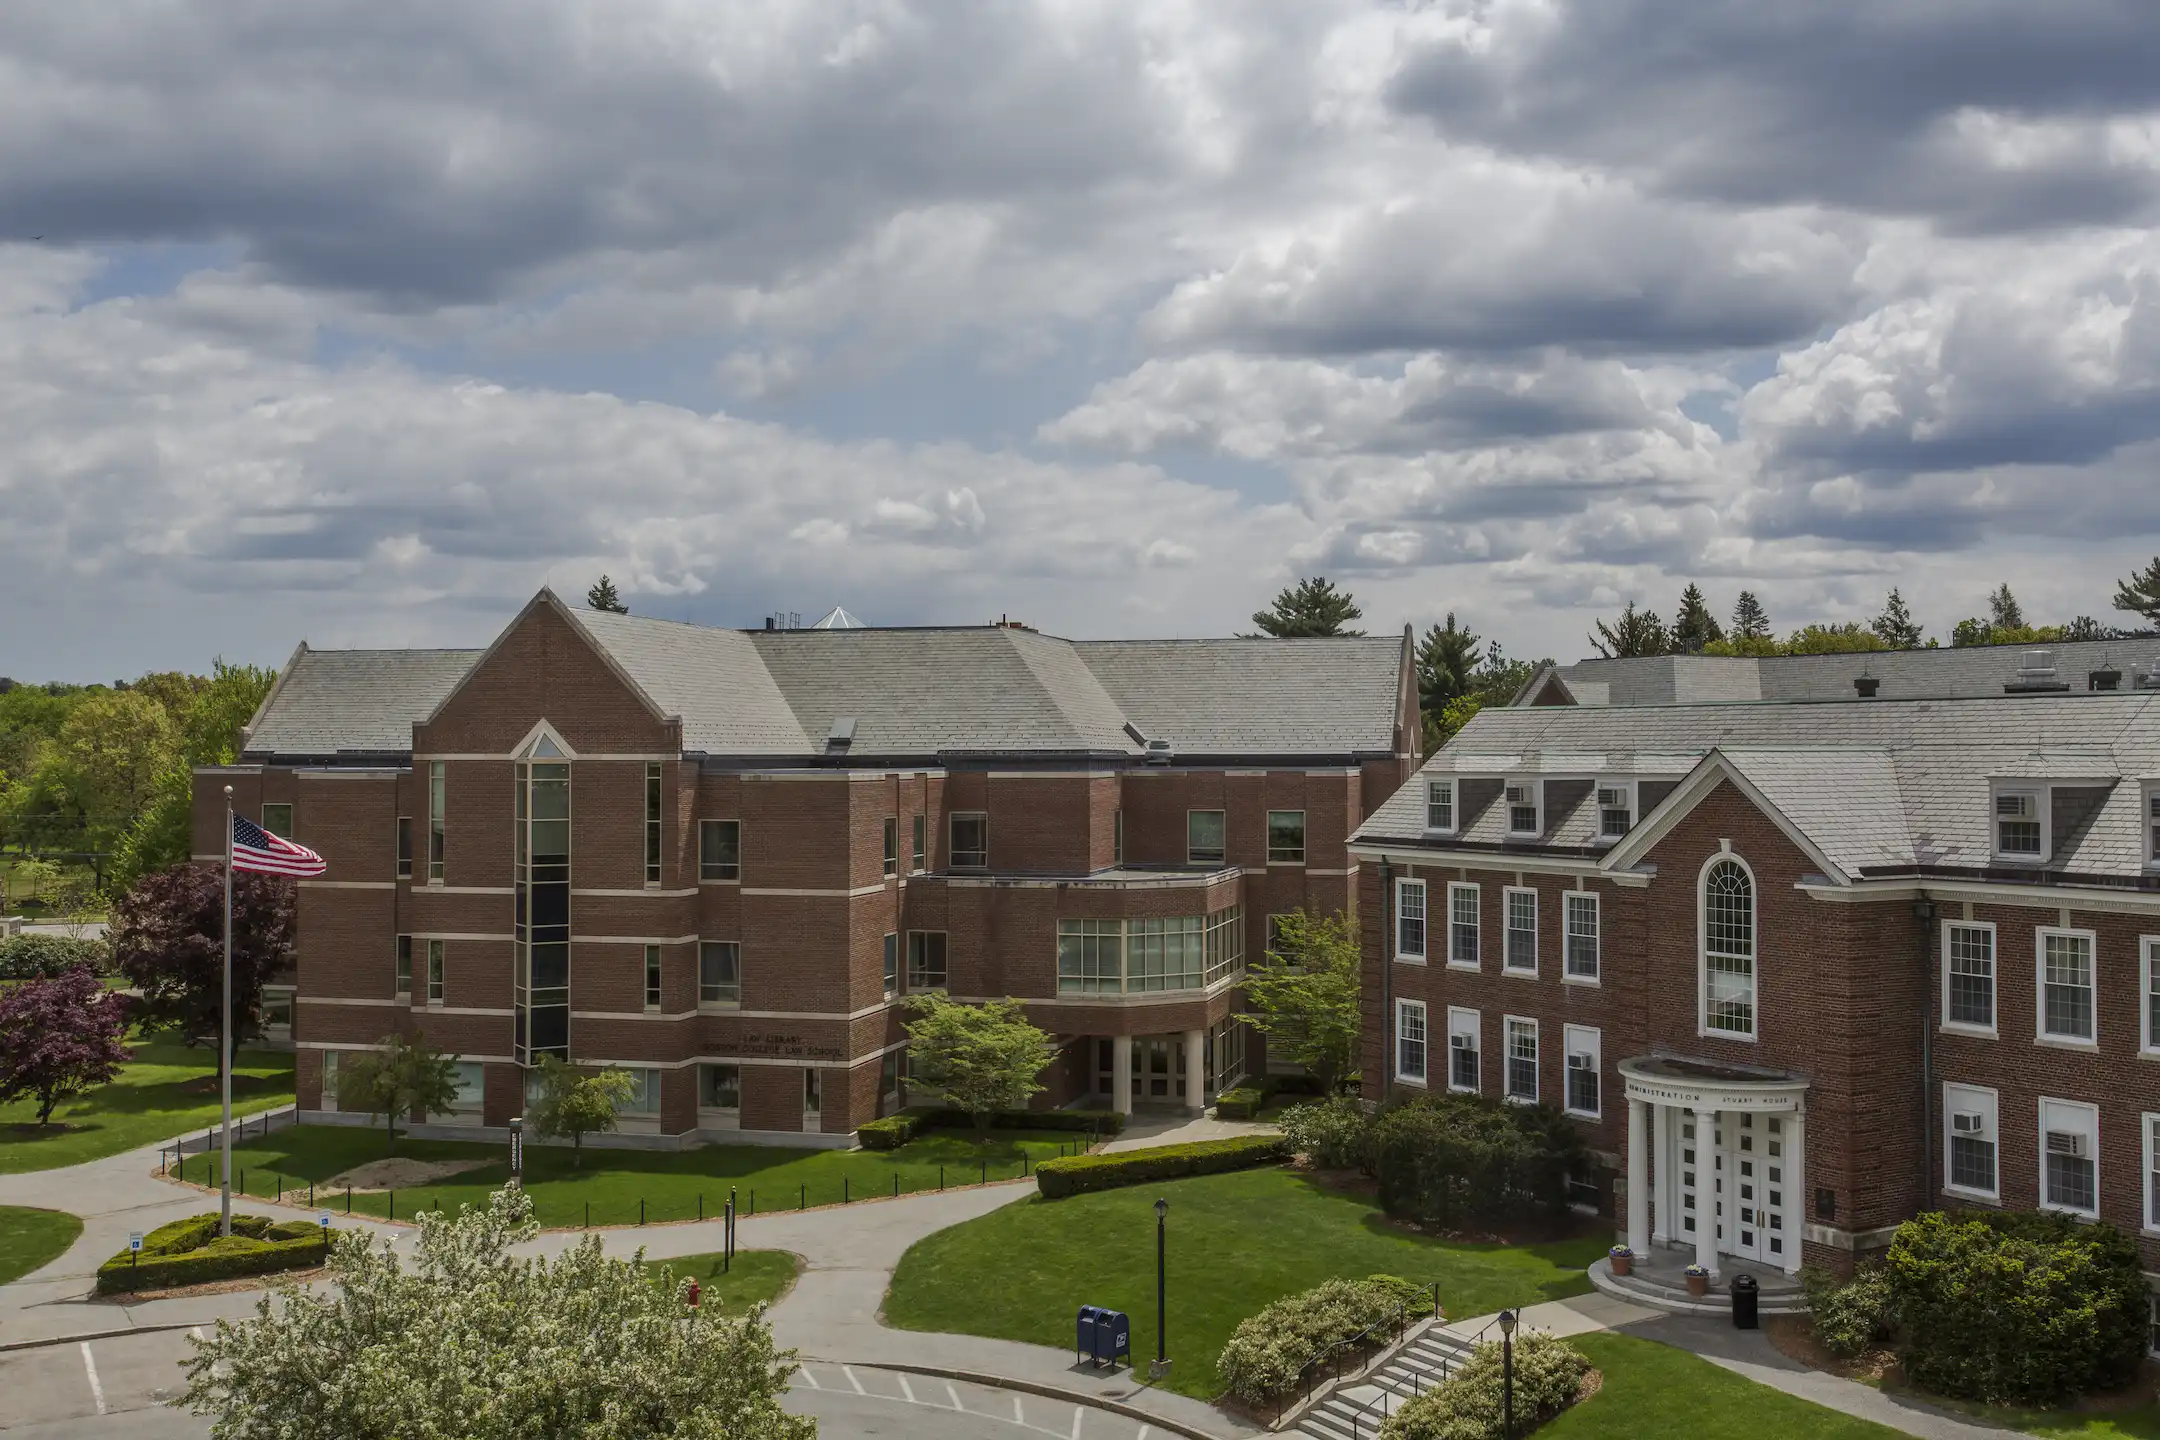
1158	1069
1758	1179
1106	1068
1702	1179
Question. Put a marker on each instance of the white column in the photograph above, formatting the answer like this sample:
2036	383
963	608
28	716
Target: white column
1706	1190
1796	1195
1196	1071
1638	1176
1121	1074
1664	1178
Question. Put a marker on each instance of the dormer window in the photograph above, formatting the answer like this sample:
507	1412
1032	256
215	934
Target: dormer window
2020	828
1440	805
2152	823
1522	808
1616	808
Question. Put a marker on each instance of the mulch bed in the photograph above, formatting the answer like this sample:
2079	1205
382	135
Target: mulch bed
212	1287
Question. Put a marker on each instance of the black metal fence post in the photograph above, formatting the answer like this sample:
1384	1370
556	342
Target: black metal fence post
641	1210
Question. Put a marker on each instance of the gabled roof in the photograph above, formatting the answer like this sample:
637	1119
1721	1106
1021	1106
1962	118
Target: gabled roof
713	679
1256	697
329	702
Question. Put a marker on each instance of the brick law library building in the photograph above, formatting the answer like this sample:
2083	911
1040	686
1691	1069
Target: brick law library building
722	859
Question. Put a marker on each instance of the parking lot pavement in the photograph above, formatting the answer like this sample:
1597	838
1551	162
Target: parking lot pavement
97	1388
853	1402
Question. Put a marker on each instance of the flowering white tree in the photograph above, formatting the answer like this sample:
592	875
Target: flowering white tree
471	1343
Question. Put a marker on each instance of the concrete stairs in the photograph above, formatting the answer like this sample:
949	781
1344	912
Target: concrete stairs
1354	1411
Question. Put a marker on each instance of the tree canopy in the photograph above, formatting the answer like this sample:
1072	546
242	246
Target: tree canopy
1895	626
405	1075
1749	620
1635	632
602	596
2140	594
1305	998
168	938
1693	625
58	1038
574	1103
1309	608
1447	658
982	1058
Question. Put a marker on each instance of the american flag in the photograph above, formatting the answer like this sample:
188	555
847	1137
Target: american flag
254	848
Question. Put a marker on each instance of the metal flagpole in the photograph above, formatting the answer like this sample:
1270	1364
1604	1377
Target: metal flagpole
225	1040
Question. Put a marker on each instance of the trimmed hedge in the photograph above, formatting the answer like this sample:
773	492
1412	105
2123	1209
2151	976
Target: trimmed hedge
1470	1405
1268	1351
1246	1100
191	1252
1079	1174
41	957
1446	1159
893	1131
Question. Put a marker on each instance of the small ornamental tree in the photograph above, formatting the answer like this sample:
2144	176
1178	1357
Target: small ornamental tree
983	1058
404	1076
168	939
575	1103
1305	998
59	1038
467	1340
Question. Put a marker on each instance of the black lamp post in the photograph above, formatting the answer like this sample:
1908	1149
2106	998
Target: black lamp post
1507	1375
1161	1367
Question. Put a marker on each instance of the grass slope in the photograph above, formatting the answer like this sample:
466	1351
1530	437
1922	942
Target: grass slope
757	1275
612	1182
168	1090
33	1239
1654	1392
1236	1242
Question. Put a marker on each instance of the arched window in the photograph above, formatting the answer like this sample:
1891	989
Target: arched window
1728	937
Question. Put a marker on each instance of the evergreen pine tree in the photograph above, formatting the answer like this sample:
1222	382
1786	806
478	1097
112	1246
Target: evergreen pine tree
1895	627
1693	625
2140	594
1309	608
1446	660
2003	611
1749	620
1636	632
603	597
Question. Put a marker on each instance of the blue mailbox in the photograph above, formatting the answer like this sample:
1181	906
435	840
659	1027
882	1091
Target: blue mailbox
1084	1345
1113	1337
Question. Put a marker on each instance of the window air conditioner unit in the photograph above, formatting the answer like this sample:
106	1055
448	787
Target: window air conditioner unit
1519	795
1611	797
2066	1142
1966	1122
2013	807
1579	1061
1461	1042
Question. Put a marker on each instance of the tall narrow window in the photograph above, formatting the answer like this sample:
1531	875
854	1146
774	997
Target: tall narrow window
652	822
970	840
813	1098
1117	837
1286	837
434	972
1969	976
1204	837
720	850
1969	1133
1582	935
404	847
2066	985
652	977
2152	826
435	827
892	964
922	843
926	960
892	846
719	972
1462	1040
1728	928
1521	955
720	1090
540	981
404	967
1410	919
278	820
2149	977
1410	1041
1440	805
1522	1058
1584	1047
2150	1125
1463	925
2069	1157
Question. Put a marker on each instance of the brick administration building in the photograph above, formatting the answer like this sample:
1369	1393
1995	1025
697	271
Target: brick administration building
721	859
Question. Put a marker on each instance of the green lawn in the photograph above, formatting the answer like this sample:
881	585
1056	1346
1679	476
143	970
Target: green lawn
2132	1422
33	1239
169	1090
671	1183
1654	1392
756	1275
1236	1242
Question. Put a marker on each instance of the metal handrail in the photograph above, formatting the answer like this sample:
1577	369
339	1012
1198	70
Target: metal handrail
1332	1357
1417	1386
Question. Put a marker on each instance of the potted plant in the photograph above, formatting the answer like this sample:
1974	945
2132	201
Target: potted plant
1623	1260
1698	1279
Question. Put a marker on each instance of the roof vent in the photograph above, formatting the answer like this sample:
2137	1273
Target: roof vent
2150	680
1865	685
2107	677
1159	752
841	735
2035	675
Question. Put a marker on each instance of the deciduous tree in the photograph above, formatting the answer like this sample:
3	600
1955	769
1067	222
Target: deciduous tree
405	1075
1305	997
209	735
982	1058
58	1038
168	938
574	1103
1310	608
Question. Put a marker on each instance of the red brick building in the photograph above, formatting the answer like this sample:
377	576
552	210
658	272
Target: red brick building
721	859
1800	969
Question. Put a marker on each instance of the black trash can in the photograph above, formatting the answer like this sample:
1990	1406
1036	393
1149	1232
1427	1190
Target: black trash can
1745	1295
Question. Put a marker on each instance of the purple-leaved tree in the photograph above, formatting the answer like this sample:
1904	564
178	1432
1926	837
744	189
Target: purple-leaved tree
58	1038
168	938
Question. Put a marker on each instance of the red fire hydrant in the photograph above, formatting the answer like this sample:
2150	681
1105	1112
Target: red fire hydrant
693	1292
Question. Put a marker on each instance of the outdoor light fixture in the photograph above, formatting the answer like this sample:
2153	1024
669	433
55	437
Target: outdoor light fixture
1161	1367
1507	1375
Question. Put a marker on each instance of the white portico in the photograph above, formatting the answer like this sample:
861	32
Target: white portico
1716	1162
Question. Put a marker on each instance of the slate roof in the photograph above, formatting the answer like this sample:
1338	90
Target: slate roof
1878	787
355	701
714	679
1977	670
1264	697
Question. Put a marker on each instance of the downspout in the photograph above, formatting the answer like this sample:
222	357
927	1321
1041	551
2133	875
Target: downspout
1387	973
1924	912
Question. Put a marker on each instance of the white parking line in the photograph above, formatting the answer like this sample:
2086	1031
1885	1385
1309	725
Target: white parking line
853	1381
905	1388
1079	1414
1143	1433
955	1394
811	1376
1018	1418
97	1391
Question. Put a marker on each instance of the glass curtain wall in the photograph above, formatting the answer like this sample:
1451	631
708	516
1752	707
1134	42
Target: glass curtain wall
542	979
1181	952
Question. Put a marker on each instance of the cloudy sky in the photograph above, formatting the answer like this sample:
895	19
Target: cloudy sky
361	321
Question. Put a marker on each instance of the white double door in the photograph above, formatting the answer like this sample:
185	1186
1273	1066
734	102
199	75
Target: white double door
1734	1178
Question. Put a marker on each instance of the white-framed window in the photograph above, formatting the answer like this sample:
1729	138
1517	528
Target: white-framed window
926	959
720	850
892	964
1520	952
1728	948
2021	824
2149	993
719	974
652	977
644	1096
1615	808
1286	837
1525	807
1463	926
1463	1027
2064	966
1440	806
404	967
892	846
1204	837
1968	997
1410	1041
434	972
1410	920
2152	823
2070	1157
1582	936
2149	1128
2152	1316
720	1095
970	848
653	787
1971	1143
1522	1059
1584	1060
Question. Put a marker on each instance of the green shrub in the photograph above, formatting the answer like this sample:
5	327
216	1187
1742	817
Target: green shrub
896	1130
191	1252
1268	1351
1471	1405
889	1133
40	957
1334	1134
1853	1317
2017	1307
1079	1174
1240	1104
1448	1159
